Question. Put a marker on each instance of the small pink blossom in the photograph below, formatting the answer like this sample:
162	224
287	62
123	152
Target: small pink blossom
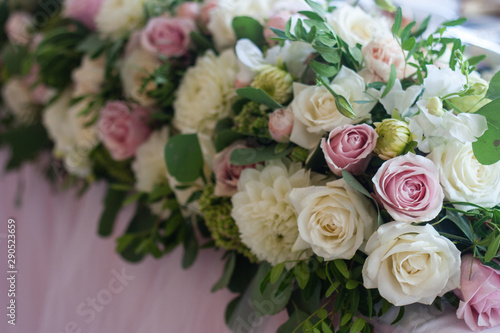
123	128
18	28
207	8
479	295
408	188
281	125
84	11
189	10
349	148
167	36
277	21
227	175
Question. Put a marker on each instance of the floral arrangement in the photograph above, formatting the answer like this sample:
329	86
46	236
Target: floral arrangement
344	162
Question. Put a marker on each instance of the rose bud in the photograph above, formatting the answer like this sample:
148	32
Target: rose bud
349	148
277	21
281	124
188	10
393	136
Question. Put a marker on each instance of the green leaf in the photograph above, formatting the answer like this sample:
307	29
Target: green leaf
323	69
173	223
386	5
302	274
230	309
453	23
342	267
312	15
332	288
112	206
201	42
332	55
409	44
400	315
190	248
423	26
476	60
390	83
276	272
492	249
132	198
325	327
351	284
397	22
227	273
494	87
358	325
124	241
25	143
184	157
247	27
487	147
317	8
345	318
266	301
260	96
342	104
246	156
295	319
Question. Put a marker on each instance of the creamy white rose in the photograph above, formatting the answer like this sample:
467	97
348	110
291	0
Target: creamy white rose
355	26
463	178
315	111
116	17
18	100
334	220
149	165
410	264
89	77
204	95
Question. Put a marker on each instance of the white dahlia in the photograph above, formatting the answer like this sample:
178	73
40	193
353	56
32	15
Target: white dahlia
263	212
149	165
205	93
116	17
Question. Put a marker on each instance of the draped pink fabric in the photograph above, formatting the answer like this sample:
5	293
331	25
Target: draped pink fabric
63	265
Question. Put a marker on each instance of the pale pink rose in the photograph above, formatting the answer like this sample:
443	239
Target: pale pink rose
84	11
207	8
227	175
479	295
281	124
134	42
380	54
349	148
189	10
123	128
277	21
18	28
408	188
167	36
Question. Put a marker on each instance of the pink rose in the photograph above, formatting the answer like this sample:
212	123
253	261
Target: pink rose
227	175
123	128
349	148
408	188
277	21
281	125
18	28
188	10
167	36
84	11
380	54
207	8
479	295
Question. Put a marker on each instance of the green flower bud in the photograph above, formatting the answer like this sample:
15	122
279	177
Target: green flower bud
252	120
435	106
276	82
474	96
224	231
393	136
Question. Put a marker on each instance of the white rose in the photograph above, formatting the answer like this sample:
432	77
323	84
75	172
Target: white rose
315	111
411	264
73	138
17	98
355	26
334	219
149	165
89	77
136	67
465	179
116	17
205	93
221	18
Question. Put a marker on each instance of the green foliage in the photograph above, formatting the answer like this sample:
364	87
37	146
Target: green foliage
246	156
259	96
270	298
112	206
184	158
252	120
250	28
487	147
227	272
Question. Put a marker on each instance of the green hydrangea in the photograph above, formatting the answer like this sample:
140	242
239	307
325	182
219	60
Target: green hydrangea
217	214
276	82
252	120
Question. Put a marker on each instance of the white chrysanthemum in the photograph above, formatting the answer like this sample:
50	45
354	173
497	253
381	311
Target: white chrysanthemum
205	93
263	212
116	17
89	77
136	67
18	100
73	139
149	165
221	18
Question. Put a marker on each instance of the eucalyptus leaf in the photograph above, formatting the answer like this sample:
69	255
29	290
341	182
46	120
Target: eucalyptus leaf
184	158
260	96
250	28
227	273
494	87
390	82
246	156
487	147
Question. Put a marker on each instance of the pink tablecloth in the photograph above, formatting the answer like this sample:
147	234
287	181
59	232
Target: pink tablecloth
70	280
